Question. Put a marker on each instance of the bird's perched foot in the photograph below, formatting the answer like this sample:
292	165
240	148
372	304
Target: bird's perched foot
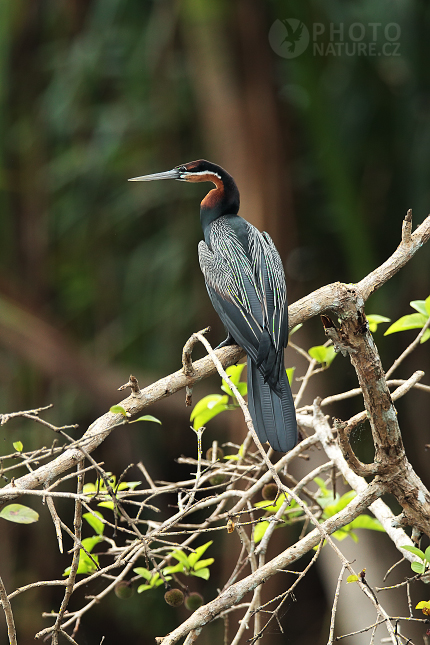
227	342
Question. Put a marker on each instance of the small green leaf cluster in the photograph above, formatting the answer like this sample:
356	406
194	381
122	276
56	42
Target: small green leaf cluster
95	519
272	508
17	512
213	404
153	579
333	505
101	490
190	565
330	505
119	409
413	321
374	320
87	564
419	567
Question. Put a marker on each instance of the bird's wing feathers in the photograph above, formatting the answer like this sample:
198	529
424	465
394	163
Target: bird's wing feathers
246	285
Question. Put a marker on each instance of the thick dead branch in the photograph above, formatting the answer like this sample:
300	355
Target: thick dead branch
333	297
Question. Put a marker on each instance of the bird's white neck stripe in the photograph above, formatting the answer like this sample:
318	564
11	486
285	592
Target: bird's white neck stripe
205	172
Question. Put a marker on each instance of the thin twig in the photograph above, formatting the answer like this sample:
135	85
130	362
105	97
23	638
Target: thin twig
408	349
334	607
5	602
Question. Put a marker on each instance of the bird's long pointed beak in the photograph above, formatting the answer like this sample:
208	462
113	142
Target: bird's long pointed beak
169	174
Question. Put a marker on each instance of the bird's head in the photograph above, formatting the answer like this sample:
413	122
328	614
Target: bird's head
200	170
223	199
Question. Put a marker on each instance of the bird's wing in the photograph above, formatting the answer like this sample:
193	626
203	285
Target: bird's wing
233	298
247	289
269	274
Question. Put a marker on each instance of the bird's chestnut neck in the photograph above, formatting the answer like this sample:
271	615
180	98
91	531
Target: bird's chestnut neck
222	200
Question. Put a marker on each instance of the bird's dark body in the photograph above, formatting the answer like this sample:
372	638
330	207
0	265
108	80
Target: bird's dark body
238	263
245	280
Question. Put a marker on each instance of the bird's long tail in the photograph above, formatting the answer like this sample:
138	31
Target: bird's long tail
274	417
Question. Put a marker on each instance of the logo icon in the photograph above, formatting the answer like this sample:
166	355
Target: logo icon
289	37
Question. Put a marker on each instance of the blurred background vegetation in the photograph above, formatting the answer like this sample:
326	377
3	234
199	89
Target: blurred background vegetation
100	278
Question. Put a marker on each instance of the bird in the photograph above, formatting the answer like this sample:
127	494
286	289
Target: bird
245	281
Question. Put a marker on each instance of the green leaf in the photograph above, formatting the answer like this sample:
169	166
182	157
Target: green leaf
343	533
235	457
181	557
18	446
427	554
234	372
147	417
273	508
340	504
86	564
201	573
367	522
193	557
328	500
203	563
144	573
118	409
242	387
325	498
260	530
94	522
418	567
128	485
411	321
420	306
352	578
154	579
110	505
89	488
204	403
324	355
207	408
415	551
374	320
142	588
19	514
290	374
90	542
423	604
321	485
425	336
159	581
202	419
427	305
296	328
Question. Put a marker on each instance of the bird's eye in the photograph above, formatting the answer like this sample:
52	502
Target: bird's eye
182	169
